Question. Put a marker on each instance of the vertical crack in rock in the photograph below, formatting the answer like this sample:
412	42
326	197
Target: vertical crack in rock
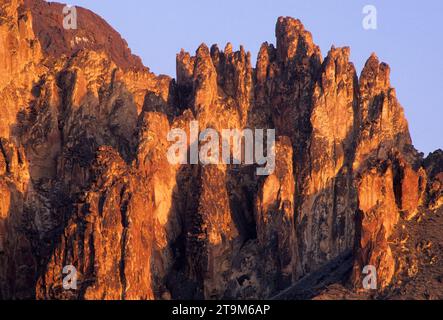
124	222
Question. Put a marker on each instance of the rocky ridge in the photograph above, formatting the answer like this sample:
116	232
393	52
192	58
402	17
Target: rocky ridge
84	178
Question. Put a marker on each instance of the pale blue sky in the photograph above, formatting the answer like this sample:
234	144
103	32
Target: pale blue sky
409	38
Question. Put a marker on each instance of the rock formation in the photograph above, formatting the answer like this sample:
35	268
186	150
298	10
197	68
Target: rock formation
85	180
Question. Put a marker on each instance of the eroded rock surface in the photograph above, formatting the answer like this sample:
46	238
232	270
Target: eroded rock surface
85	180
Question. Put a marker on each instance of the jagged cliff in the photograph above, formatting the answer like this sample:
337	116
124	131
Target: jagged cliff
85	180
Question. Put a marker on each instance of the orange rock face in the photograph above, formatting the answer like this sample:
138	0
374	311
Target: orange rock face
85	180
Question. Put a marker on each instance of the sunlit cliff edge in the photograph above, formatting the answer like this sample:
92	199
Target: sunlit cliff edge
84	178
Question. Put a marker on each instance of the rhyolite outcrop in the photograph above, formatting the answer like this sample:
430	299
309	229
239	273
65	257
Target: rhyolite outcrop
85	180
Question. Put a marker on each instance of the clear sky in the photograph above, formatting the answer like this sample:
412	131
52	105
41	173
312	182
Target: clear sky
409	37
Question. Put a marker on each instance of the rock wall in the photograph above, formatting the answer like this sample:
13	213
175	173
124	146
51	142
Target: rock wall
85	180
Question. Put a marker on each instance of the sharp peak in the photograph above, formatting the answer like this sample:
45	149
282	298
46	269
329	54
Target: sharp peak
345	50
204	49
373	62
290	21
